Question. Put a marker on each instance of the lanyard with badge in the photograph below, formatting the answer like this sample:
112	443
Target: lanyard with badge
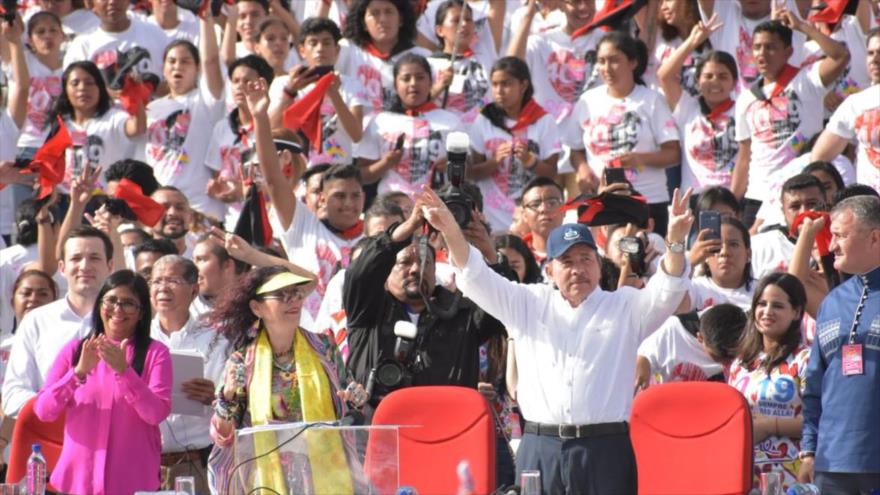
851	353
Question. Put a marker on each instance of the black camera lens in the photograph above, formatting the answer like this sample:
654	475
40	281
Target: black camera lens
390	374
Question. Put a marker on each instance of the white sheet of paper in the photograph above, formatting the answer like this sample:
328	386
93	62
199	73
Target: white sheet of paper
187	365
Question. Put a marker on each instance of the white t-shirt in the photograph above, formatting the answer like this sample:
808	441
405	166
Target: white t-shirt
101	141
540	24
470	89
855	77
609	127
292	56
8	137
709	149
187	29
735	38
337	146
105	49
304	9
311	245
425	143
79	21
176	142
562	69
229	151
374	74
483	45
705	293
676	355
44	90
12	260
858	119
780	127
771	252
505	185
663	49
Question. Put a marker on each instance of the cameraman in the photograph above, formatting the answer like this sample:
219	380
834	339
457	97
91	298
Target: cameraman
389	283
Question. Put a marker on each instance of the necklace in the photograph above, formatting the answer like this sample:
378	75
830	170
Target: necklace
283	354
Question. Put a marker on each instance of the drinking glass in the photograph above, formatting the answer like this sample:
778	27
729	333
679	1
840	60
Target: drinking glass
185	485
530	482
771	483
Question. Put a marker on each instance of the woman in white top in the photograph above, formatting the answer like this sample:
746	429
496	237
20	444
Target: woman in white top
273	44
403	147
462	87
675	21
178	124
727	268
513	140
706	122
624	124
101	133
378	33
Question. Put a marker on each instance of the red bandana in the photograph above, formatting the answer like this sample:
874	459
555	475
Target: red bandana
528	115
421	109
372	50
148	211
823	237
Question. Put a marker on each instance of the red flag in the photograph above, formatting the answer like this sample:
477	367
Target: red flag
253	225
135	94
148	211
831	13
48	161
612	12
823	237
305	114
528	115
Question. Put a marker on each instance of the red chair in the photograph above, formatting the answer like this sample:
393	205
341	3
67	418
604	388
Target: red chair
449	424
28	431
692	438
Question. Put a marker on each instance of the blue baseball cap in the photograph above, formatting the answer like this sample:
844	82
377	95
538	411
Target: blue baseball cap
566	236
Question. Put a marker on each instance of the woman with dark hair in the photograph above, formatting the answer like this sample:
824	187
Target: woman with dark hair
726	269
266	378
31	289
177	137
513	140
100	132
706	119
378	33
520	258
404	145
460	87
273	44
623	124
770	370
830	178
675	20
115	389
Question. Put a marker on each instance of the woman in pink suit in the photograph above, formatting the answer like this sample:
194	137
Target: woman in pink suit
116	388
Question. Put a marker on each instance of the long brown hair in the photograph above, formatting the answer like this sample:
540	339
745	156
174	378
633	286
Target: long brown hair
752	344
232	317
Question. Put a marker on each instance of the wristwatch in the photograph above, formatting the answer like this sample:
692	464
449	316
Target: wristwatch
675	247
805	453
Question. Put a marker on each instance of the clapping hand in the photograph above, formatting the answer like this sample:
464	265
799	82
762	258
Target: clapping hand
113	354
88	358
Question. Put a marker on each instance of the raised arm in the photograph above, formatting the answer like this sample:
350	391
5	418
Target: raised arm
828	147
669	71
80	192
497	14
740	180
832	66
227	47
210	54
283	199
814	282
239	249
520	41
18	97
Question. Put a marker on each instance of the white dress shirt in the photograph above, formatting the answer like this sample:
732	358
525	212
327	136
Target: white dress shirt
575	365
39	339
181	432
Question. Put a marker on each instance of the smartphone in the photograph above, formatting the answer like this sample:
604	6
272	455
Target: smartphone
615	175
711	219
320	70
400	141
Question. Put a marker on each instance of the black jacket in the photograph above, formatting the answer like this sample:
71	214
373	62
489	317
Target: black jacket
451	345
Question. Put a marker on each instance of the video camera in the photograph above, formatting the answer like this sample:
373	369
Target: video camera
459	203
126	64
393	373
635	248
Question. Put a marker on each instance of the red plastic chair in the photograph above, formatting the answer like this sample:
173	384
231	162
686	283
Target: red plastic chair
28	431
449	424
692	438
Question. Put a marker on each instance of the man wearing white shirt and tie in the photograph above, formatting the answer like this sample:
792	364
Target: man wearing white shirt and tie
86	260
186	441
575	348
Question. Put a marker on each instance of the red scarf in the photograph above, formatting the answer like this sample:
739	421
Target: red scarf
612	11
785	76
421	109
348	234
48	161
372	50
147	211
528	115
305	113
134	95
719	110
823	237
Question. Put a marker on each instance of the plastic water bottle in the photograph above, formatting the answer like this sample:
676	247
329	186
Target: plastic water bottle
36	472
802	489
465	478
407	490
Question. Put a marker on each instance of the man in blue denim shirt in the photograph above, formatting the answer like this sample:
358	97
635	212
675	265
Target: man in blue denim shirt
841	437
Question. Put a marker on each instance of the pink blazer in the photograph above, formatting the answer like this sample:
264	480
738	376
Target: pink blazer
112	443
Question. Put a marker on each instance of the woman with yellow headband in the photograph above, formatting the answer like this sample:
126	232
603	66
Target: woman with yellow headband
278	373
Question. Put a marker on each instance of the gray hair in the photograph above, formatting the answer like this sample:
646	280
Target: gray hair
866	210
190	271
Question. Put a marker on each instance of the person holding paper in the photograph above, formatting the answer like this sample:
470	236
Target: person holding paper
115	388
278	373
186	442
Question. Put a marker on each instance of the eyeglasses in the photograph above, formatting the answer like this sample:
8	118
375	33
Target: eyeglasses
550	203
168	281
286	295
124	305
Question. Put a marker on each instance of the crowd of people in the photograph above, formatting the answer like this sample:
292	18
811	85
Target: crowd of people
653	191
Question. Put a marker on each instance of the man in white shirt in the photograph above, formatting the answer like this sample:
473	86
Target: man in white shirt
186	442
575	348
218	272
175	223
86	260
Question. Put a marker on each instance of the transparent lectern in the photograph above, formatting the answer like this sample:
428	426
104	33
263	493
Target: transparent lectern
315	459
